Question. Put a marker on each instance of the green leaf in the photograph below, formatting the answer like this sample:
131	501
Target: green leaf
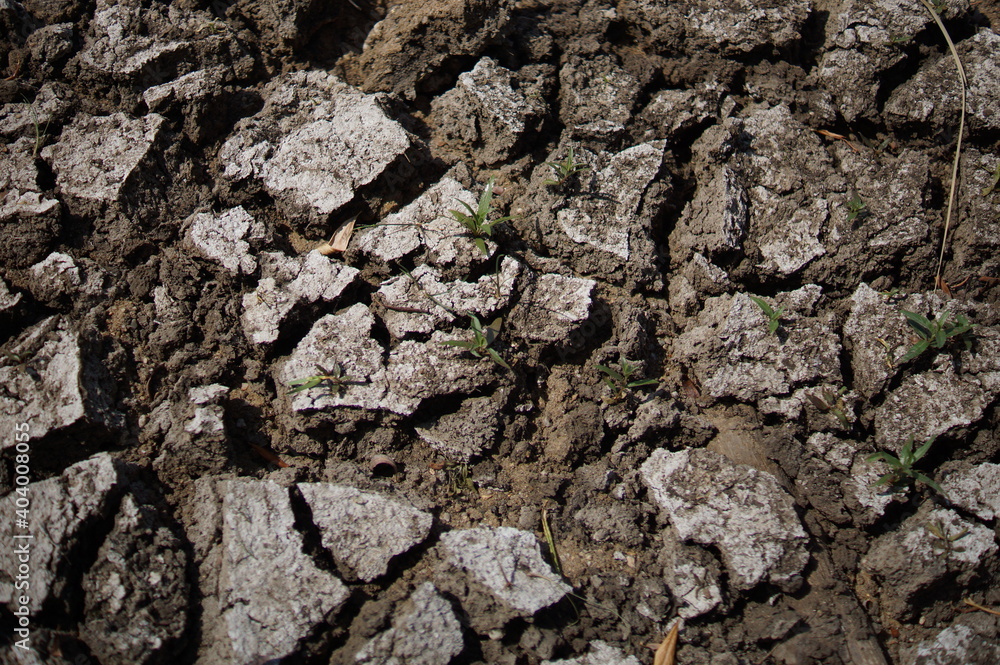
915	350
888	458
927	481
921	324
906	454
497	359
922	450
481	244
460	344
643	382
772	325
304	384
764	306
614	374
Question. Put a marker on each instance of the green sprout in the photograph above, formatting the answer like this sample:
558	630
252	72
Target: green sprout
900	39
855	208
773	315
833	403
482	340
334	378
939	5
943	540
477	220
935	333
902	466
565	169
620	380
994	181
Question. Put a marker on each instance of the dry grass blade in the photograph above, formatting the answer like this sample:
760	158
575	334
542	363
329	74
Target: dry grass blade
958	146
340	240
979	607
667	653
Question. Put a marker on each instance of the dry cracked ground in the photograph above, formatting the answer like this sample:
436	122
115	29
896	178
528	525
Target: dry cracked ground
237	430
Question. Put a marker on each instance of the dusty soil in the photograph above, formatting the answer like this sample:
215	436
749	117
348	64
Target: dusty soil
800	152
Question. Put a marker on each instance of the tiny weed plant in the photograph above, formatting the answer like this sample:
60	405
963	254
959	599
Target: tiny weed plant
902	466
482	340
856	209
620	380
994	181
939	5
773	315
943	541
477	220
334	378
459	479
833	403
936	333
565	169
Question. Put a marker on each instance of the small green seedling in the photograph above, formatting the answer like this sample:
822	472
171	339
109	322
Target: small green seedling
334	378
994	181
620	380
900	39
459	479
833	403
477	220
855	208
944	542
939	5
902	466
482	340
935	333
773	315
565	169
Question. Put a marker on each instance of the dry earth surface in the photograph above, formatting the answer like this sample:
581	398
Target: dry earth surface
171	174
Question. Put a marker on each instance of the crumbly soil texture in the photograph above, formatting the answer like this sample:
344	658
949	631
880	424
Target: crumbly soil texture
266	399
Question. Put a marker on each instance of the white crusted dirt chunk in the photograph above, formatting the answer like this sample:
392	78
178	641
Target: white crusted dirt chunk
54	277
288	283
734	355
736	508
119	42
313	144
601	653
99	159
61	508
8	300
364	530
425	632
509	563
57	385
262	615
466	433
693	576
872	321
742	26
220	237
137	593
402	293
552	307
595	87
975	489
419	370
934	94
424	223
955	645
913	560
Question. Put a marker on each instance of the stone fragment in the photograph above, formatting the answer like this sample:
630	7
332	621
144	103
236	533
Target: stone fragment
55	277
595	87
220	237
933	95
364	530
552	307
315	142
975	489
955	645
62	514
29	227
738	27
266	593
59	384
873	318
692	574
426	632
288	284
100	160
738	509
466	433
194	86
673	112
137	593
601	653
8	300
193	432
912	561
485	113
420	370
50	46
508	563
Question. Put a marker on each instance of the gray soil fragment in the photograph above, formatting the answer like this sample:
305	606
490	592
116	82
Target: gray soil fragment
270	594
190	87
914	560
509	563
56	386
595	87
220	237
100	160
934	95
672	112
740	510
8	300
737	27
877	334
364	530
29	224
425	632
600	653
406	48
552	307
64	510
466	433
975	489
419	370
314	143
956	645
716	220
49	46
193	433
284	25
845	464
56	277
693	576
32	120
137	593
287	284
485	113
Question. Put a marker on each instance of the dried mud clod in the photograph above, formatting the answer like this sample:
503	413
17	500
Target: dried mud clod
482	331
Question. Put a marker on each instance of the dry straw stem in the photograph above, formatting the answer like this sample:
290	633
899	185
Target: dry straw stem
958	146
